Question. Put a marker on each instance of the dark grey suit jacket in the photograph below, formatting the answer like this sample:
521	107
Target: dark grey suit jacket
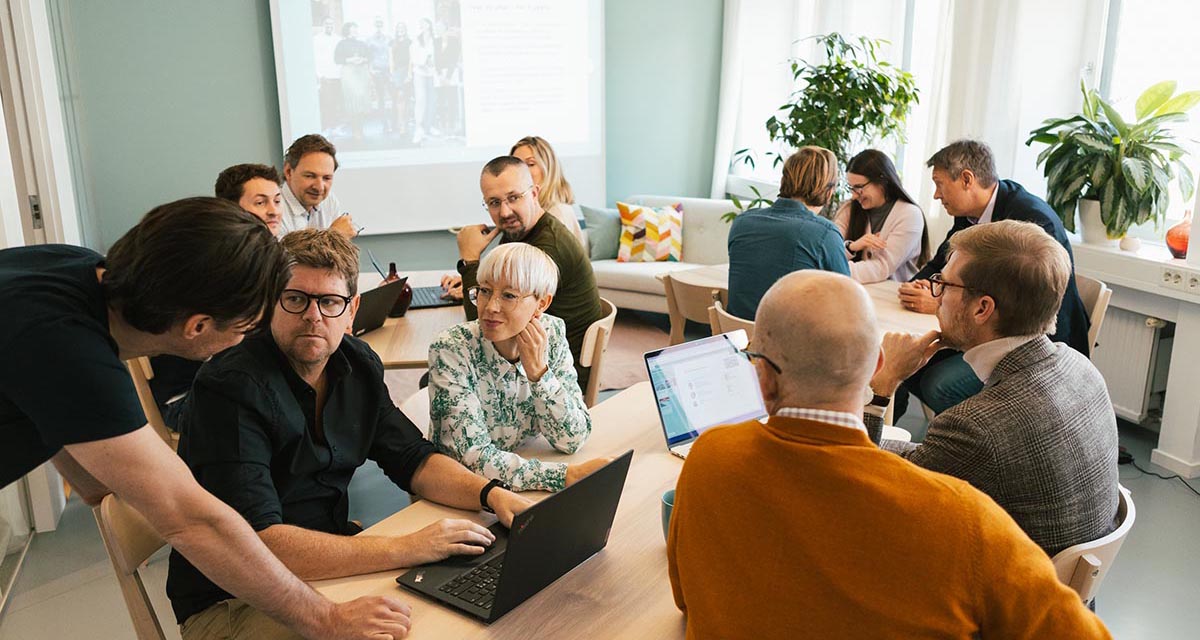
1040	439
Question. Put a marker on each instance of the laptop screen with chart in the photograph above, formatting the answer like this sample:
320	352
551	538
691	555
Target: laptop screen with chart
702	384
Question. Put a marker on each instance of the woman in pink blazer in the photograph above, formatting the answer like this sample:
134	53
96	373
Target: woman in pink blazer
884	230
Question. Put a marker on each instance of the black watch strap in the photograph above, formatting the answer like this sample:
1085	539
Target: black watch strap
880	401
487	488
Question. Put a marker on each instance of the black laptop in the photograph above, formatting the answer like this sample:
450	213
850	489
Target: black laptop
374	307
545	542
430	297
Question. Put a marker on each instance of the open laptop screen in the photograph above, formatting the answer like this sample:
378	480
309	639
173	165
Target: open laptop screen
704	383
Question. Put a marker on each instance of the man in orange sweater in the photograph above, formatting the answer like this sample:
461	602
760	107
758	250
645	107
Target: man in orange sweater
803	527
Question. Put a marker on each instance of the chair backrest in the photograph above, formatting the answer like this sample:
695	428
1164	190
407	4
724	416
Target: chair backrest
595	343
1095	296
686	301
1083	566
723	322
130	540
141	372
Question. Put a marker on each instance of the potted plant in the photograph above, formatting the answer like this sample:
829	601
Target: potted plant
851	98
1116	172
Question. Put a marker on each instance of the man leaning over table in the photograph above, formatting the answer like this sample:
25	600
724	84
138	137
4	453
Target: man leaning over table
802	525
277	427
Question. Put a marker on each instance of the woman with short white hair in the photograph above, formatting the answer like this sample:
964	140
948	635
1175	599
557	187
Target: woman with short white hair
507	377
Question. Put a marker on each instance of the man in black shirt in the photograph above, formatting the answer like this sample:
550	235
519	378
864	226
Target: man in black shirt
189	279
276	428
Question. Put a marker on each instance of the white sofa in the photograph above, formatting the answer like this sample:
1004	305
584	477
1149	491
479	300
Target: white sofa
634	285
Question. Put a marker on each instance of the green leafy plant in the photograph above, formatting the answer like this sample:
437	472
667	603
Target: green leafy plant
851	98
1126	166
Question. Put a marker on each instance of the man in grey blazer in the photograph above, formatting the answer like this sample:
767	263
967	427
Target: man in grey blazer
1041	437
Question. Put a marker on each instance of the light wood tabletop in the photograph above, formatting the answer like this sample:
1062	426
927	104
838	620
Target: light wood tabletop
621	592
403	343
891	316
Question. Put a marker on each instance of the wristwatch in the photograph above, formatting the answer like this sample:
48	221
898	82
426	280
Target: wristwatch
463	264
487	488
880	401
847	245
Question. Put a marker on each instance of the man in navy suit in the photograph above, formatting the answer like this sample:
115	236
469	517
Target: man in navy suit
964	177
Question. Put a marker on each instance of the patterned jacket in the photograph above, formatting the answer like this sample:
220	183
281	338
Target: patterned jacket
482	407
1040	439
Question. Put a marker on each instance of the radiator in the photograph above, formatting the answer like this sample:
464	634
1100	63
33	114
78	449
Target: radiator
1127	356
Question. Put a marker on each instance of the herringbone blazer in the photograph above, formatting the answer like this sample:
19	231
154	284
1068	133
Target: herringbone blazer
1040	439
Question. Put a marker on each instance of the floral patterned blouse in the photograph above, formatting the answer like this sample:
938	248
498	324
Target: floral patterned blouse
481	406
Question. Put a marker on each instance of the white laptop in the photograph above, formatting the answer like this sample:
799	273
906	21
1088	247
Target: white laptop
703	384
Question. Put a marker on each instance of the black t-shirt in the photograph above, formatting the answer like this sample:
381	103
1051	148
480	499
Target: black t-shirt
249	436
61	379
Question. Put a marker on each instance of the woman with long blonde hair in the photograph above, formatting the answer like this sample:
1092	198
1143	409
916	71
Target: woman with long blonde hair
554	192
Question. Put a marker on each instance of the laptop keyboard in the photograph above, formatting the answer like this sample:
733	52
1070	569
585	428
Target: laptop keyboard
477	586
424	297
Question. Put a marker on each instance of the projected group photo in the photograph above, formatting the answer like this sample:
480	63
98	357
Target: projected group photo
389	73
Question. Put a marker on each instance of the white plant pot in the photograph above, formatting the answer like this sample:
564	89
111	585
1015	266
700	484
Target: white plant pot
1090	224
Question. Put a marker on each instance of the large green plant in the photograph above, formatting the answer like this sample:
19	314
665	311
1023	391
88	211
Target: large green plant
851	98
1125	165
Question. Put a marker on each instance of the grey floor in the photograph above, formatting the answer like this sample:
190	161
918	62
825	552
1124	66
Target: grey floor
67	590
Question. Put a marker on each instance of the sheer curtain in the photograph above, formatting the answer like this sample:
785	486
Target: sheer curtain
985	69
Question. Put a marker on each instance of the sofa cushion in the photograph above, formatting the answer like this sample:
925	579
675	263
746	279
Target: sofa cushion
604	231
650	234
635	276
705	234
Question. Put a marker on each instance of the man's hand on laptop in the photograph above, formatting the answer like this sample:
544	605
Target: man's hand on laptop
452	286
442	539
507	504
372	617
576	472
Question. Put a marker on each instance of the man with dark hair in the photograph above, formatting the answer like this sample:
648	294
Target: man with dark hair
964	177
308	200
264	411
510	197
255	187
190	279
1041	437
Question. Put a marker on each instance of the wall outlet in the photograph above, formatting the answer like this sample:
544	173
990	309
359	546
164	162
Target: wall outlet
1174	278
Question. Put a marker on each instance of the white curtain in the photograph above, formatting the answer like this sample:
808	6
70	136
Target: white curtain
985	69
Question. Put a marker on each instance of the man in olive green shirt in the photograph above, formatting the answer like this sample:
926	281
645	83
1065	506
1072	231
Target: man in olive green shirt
511	199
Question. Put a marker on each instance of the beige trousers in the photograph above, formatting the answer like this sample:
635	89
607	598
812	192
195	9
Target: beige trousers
234	620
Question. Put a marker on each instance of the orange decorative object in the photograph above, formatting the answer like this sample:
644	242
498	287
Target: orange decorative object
1178	236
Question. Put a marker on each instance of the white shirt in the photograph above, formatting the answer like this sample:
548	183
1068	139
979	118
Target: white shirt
323	48
295	217
838	418
983	358
987	211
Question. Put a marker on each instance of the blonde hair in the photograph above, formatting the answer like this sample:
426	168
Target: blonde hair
1021	267
522	267
324	249
554	188
809	175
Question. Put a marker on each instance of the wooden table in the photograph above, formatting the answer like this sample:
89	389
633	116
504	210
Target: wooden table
891	316
622	592
403	343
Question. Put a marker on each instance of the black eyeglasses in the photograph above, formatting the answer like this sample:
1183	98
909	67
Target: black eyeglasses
857	189
937	285
751	355
330	305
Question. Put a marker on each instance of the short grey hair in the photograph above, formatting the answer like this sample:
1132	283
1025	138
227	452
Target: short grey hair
522	267
962	155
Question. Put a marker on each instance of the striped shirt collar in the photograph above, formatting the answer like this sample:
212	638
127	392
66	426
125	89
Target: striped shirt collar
839	418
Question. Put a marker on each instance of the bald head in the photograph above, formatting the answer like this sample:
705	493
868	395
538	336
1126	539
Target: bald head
820	328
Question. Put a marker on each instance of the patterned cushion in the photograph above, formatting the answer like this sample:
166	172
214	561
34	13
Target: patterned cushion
650	234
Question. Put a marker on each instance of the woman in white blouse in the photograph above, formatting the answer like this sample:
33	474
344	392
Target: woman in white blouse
554	192
506	378
884	230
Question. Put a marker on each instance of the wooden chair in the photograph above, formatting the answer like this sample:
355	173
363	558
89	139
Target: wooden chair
1095	296
416	408
686	301
595	343
1083	566
722	322
141	372
130	541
